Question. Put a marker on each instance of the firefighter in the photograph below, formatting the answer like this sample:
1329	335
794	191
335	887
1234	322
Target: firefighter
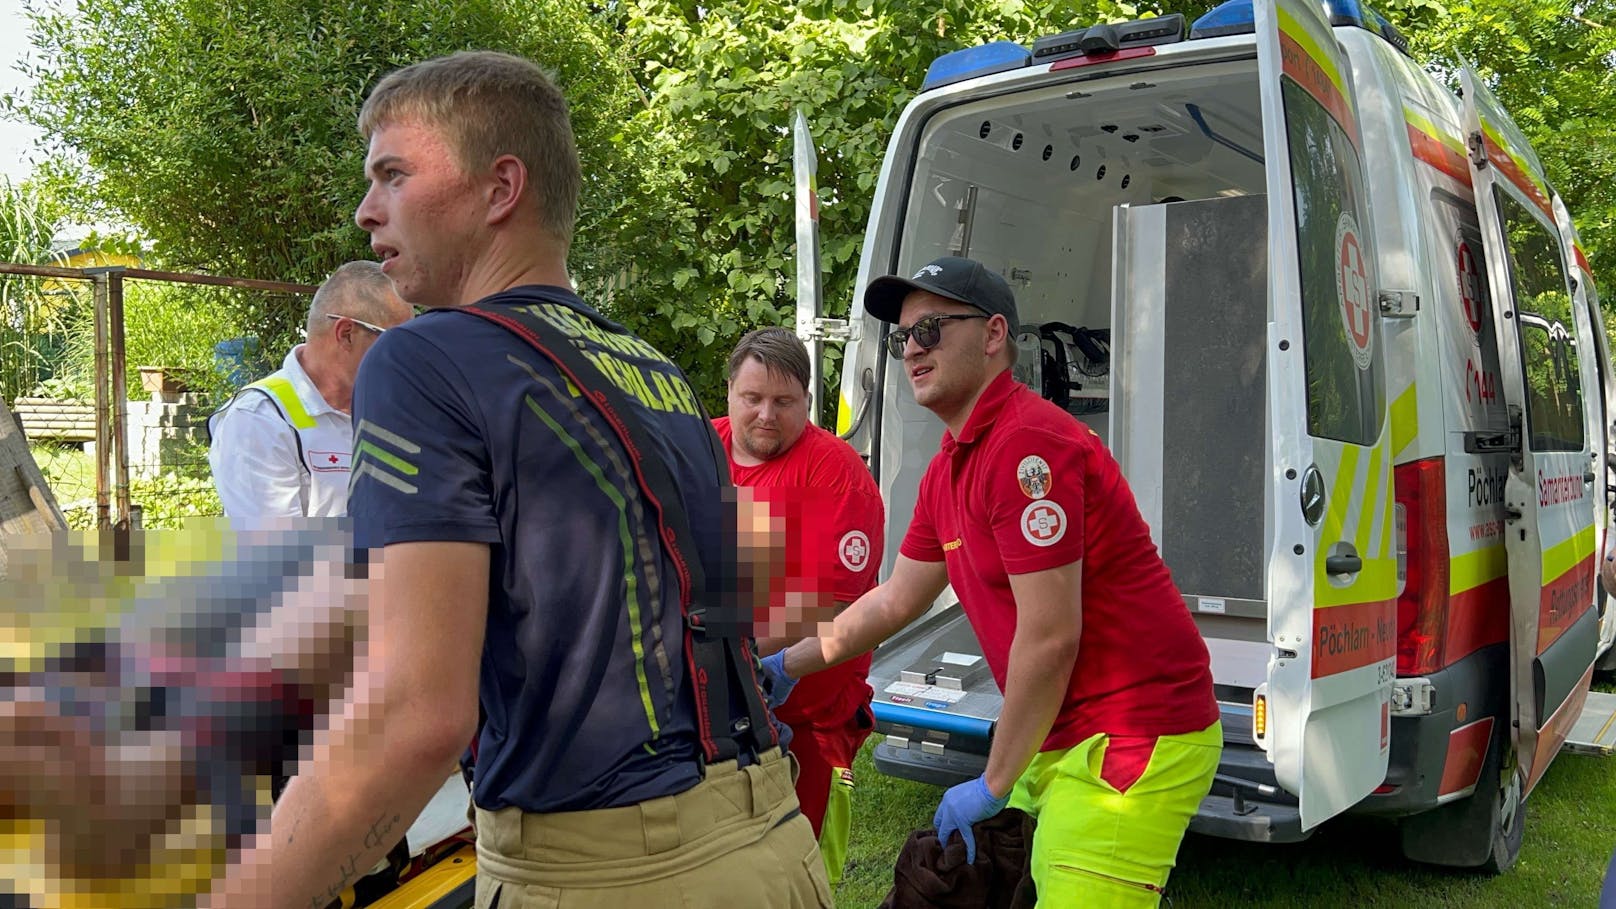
521	563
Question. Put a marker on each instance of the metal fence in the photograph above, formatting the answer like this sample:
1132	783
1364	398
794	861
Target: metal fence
133	451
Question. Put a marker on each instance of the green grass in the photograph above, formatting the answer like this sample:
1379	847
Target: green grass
68	469
1571	830
166	502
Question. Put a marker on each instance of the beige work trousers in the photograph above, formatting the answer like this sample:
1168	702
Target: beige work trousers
737	838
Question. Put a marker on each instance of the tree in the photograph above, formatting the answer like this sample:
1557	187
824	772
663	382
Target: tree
224	129
708	240
33	321
1553	65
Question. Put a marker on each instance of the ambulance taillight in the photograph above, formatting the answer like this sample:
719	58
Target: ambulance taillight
1259	717
1422	606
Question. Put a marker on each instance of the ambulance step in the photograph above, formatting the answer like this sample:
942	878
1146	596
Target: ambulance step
1595	732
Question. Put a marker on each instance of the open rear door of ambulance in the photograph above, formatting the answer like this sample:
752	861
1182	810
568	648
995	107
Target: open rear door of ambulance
1551	494
1331	581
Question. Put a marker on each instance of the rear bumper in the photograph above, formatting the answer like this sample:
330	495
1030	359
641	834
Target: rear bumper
939	768
1417	771
1255	822
1245	803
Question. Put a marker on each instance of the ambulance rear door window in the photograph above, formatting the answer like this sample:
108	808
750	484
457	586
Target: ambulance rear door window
1345	394
1548	332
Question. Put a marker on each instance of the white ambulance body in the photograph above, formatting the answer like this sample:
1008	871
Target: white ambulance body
1335	326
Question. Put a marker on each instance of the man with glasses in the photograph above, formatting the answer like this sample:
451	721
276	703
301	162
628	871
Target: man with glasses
1111	744
281	447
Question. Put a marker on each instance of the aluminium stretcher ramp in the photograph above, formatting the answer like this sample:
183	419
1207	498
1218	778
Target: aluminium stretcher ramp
1595	732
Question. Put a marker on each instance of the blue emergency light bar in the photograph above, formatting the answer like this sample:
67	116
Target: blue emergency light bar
1235	17
998	57
935	721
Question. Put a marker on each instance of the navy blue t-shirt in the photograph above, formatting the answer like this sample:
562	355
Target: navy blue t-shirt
463	432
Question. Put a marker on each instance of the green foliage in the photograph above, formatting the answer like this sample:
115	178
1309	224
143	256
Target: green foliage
224	129
708	234
170	325
1553	65
68	470
32	317
165	503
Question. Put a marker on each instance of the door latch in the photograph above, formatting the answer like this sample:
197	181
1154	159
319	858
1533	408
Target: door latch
1398	304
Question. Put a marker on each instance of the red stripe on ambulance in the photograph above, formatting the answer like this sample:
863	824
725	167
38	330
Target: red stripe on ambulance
1430	150
1467	746
1352	636
1564	600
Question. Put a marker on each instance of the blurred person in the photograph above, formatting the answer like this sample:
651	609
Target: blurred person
143	722
833	523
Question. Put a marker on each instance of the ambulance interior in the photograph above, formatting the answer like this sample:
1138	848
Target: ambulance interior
1164	360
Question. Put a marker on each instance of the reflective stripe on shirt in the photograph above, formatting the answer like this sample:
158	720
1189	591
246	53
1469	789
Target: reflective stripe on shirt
281	389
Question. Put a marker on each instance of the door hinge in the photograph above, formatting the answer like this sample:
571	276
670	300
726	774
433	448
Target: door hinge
1482	441
1478	151
822	329
1399	304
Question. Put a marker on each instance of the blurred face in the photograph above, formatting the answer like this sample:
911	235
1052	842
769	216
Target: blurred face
949	375
422	212
767	412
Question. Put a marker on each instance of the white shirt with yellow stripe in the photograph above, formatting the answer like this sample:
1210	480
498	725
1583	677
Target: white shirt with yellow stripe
279	450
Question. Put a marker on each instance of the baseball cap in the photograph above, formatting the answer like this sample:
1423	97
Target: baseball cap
962	280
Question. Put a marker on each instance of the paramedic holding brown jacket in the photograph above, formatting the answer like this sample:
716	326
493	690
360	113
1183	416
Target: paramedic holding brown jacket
1111	744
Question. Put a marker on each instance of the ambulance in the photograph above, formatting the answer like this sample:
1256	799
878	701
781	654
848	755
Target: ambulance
1336	326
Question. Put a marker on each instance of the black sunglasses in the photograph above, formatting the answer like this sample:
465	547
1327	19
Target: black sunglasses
927	332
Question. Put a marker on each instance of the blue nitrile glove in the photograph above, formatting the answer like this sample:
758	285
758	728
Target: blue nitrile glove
778	685
963	806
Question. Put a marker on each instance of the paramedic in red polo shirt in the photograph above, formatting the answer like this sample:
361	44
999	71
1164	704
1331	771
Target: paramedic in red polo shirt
819	488
1109	732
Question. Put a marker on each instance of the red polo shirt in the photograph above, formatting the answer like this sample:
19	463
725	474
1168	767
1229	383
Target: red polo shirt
1025	488
833	516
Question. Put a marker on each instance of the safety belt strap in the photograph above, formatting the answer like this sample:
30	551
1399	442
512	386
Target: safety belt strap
283	396
720	659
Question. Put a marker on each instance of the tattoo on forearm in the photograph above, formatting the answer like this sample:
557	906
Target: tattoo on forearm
379	831
351	871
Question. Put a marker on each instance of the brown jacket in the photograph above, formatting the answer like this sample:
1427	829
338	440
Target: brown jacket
930	877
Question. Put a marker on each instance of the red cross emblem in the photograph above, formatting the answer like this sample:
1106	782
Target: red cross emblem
328	461
1355	291
854	550
1043	522
1470	287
